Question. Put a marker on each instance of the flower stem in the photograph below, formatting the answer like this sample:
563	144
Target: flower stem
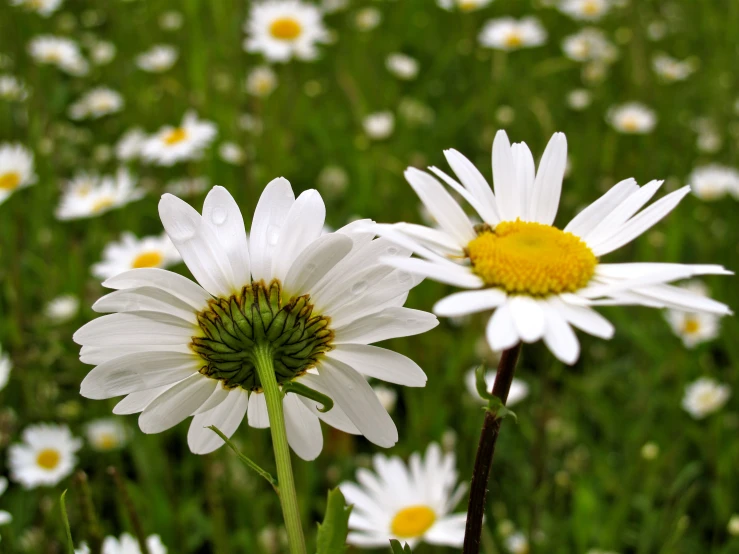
286	482
485	451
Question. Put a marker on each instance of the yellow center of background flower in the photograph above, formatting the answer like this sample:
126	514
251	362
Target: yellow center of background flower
467	5
175	136
101	204
10	180
630	123
513	40
107	441
148	259
531	258
48	458
413	521
691	326
285	28
591	8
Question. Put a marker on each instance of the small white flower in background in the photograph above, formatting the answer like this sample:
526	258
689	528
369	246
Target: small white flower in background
368	19
130	144
671	69
102	52
694	327
415	112
62	308
60	52
171	20
379	125
588	10
5	517
709	141
507	33
96	103
251	124
733	526
16	169
333	6
261	81
231	153
402	66
187	141
45	457
127	544
657	30
388	397
284	29
88	195
589	45
188	186
650	451
106	434
714	181
519	389
158	58
12	88
704	397
632	118
517	543
463	5
332	180
412	503
579	99
131	253
6	366
41	7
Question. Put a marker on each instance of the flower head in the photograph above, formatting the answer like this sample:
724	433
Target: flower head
59	51
106	434
157	59
507	33
704	397
187	141
714	181
632	118
96	103
16	169
463	5
62	308
88	195
261	81
589	10
130	253
45	457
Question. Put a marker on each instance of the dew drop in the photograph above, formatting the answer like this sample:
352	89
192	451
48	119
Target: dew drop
218	215
393	251
359	287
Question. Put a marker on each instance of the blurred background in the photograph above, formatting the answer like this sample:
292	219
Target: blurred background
617	454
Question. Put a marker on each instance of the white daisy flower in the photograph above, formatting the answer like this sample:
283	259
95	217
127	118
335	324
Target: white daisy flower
632	118
411	503
45	457
171	20
579	99
102	52
131	253
41	7
694	328
507	33
16	169
463	5
59	51
517	543
589	10
540	280
62	308
367	19
284	29
88	195
128	544
261	81
106	434
671	69
96	103
158	58
733	526
130	144
231	153
402	66
704	397
714	181
379	125
12	88
317	301
519	389
170	144
6	366
589	45
5	517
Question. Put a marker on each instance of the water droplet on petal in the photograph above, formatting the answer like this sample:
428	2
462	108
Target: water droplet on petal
393	251
218	215
359	287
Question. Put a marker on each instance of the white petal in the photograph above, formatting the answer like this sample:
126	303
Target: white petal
500	330
269	217
528	317
380	363
559	337
450	274
135	329
335	417
176	285
487	213
589	218
137	401
585	319
218	396
387	324
548	183
681	299
504	179
176	403
469	302
316	261
474	181
303	428
227	416
343	292
434	239
257	412
95	355
198	245
223	216
448	531
151	299
523	162
357	399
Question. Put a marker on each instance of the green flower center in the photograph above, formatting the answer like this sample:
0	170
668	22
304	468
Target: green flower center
257	317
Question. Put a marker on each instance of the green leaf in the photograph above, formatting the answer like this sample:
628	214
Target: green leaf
299	388
495	404
396	548
247	462
65	519
335	527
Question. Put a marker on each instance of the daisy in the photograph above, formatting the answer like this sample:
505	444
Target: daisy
694	327
283	29
131	253
539	279
368	19
106	434
671	69
45	457
5	517
517	543
127	544
12	89
714	181
231	153
632	118
589	45
171	20
88	195
96	103
519	389
579	99
261	81
16	169
411	503
157	59
507	33
130	144
463	5
379	125
704	397
178	349
42	7
402	66
62	308
102	52
6	366
59	51
589	10
170	144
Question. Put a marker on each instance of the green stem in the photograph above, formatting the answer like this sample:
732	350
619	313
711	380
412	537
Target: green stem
288	496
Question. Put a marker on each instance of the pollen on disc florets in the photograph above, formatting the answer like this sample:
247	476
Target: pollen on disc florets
531	258
260	316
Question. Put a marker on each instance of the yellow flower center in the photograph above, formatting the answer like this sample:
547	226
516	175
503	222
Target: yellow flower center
285	28
467	5
513	40
107	441
412	521
630	123
690	326
531	258
48	458
591	8
10	180
148	259
102	204
175	136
